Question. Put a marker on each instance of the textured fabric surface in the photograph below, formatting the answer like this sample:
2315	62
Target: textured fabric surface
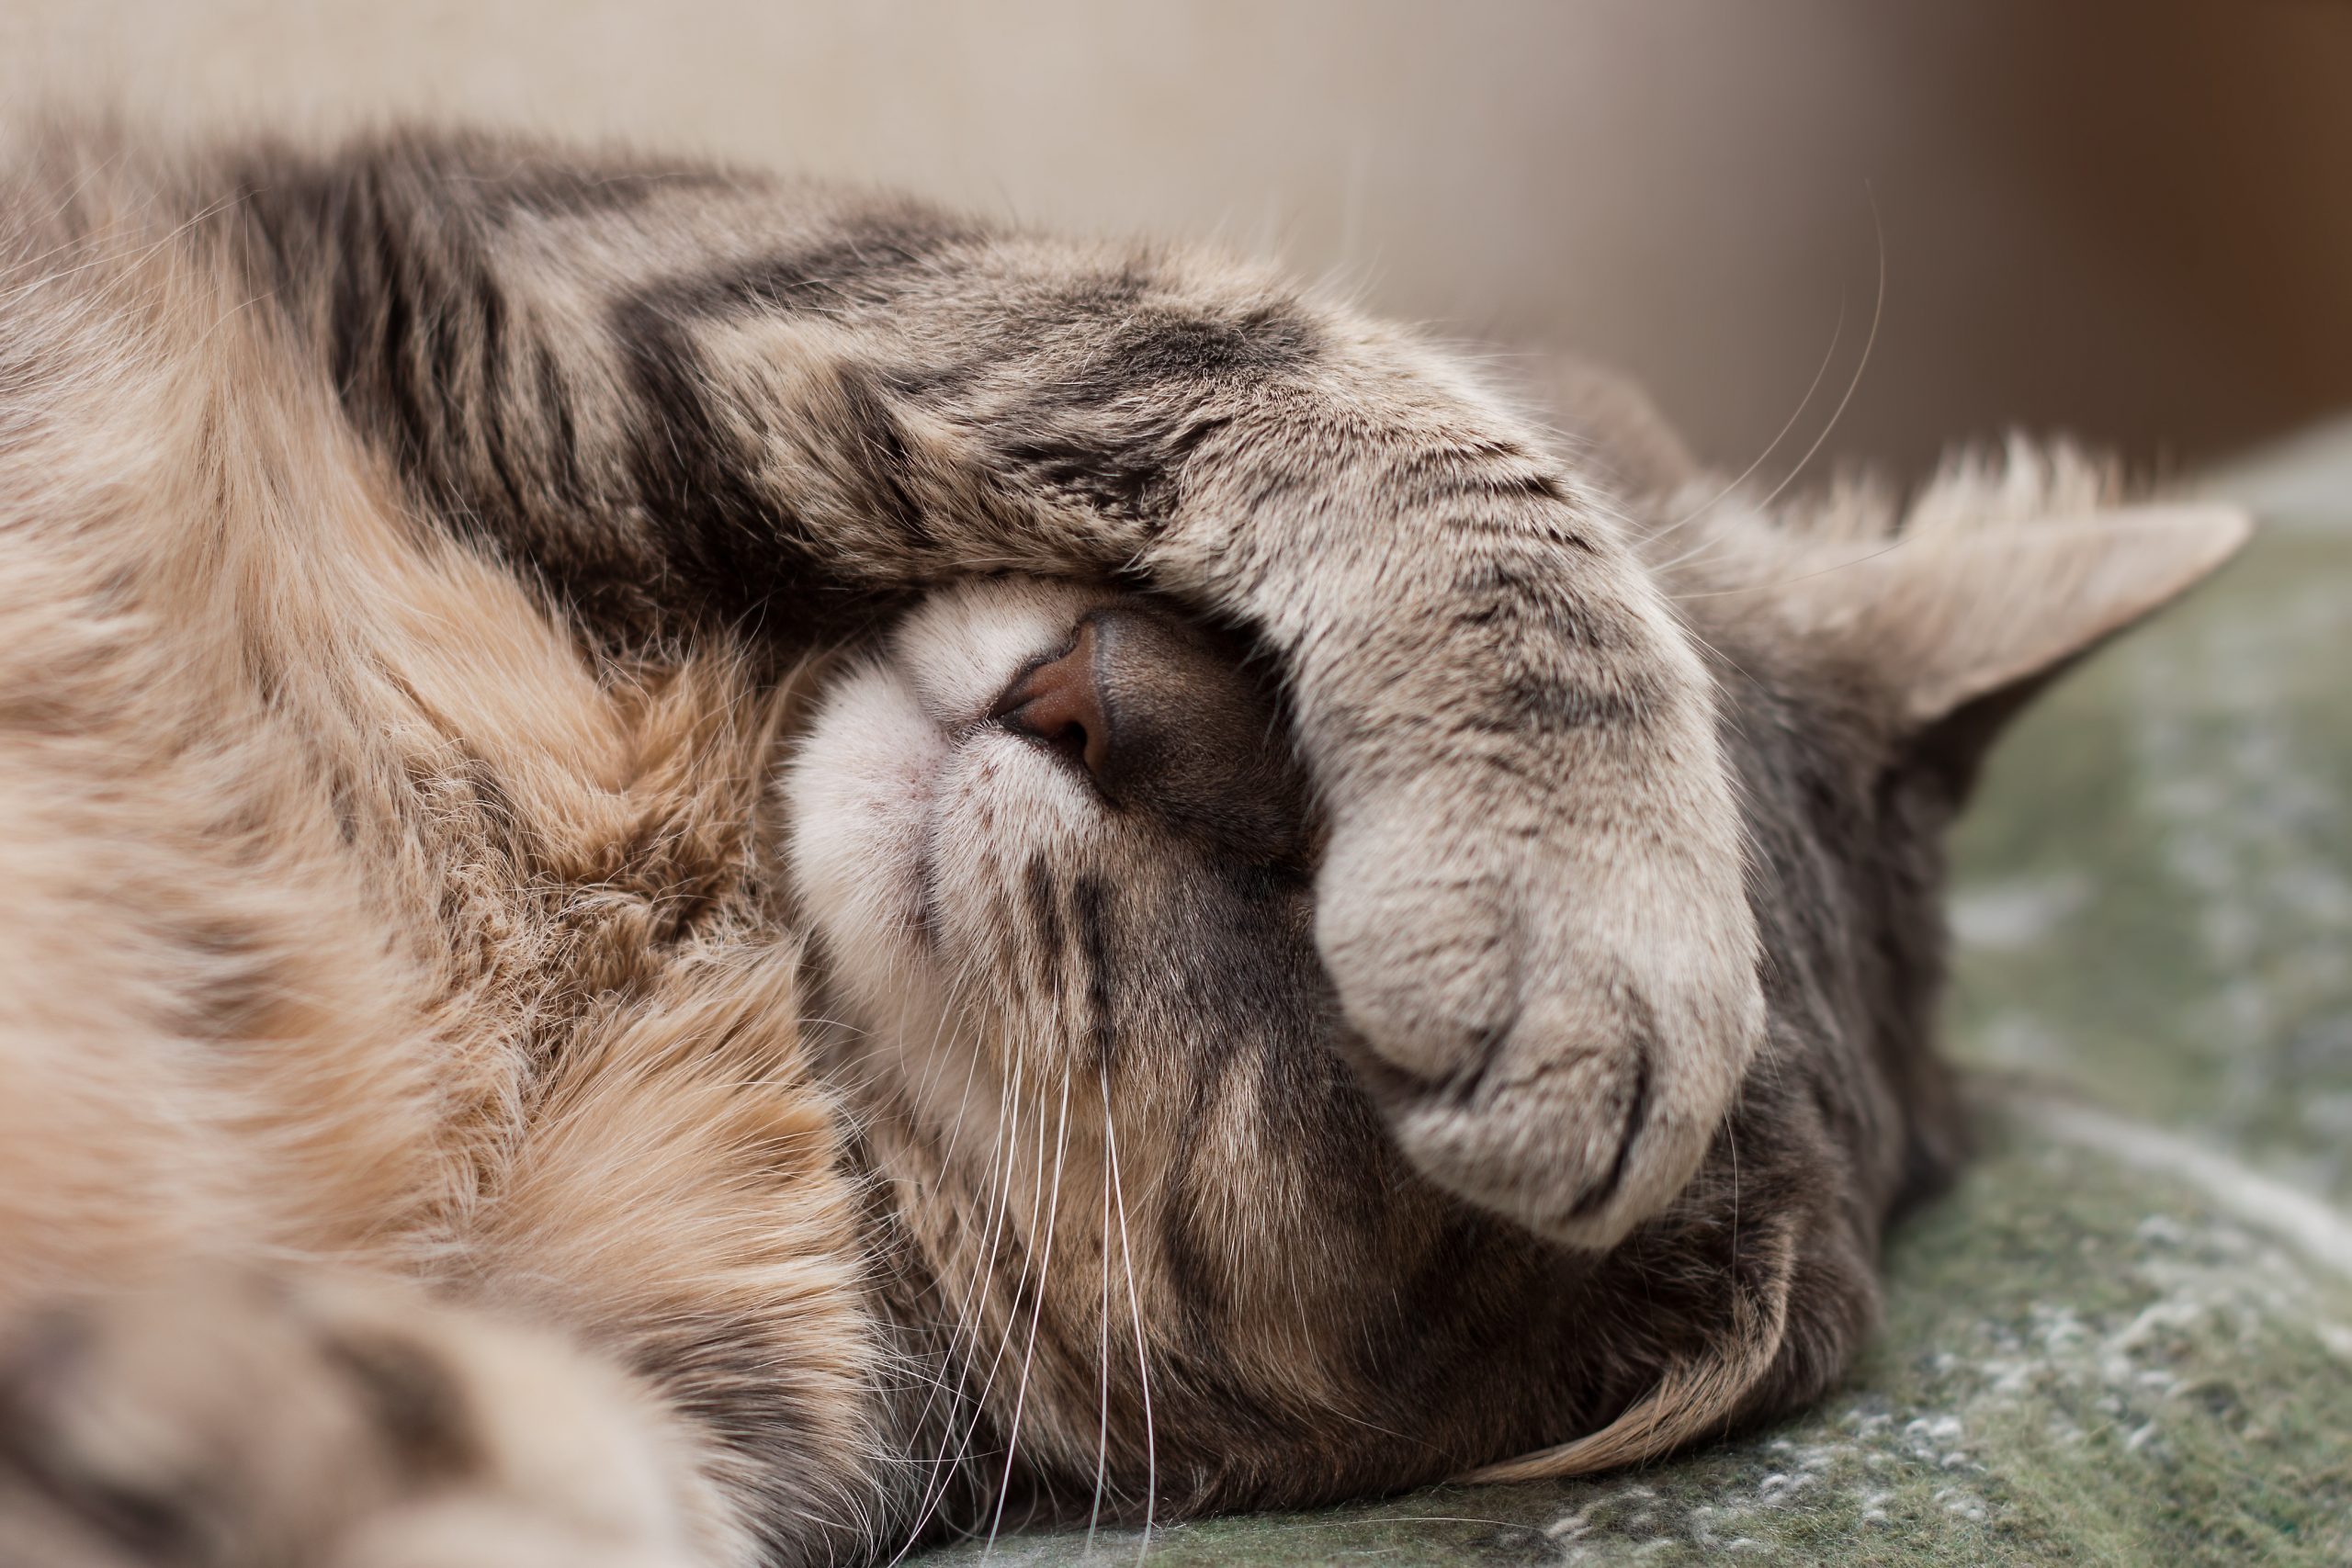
2127	1337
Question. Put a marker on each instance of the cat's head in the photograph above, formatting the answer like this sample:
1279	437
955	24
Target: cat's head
1058	862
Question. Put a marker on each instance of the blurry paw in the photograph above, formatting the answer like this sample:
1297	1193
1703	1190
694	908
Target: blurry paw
236	1421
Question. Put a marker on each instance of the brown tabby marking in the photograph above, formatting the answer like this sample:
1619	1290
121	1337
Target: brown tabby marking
1326	1073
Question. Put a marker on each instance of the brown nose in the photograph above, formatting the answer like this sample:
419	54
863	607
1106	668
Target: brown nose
1060	703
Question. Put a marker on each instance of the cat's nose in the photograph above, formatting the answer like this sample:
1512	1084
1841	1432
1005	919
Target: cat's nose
1060	703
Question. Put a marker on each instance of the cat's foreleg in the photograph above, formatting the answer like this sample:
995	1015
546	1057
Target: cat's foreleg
1532	900
725	400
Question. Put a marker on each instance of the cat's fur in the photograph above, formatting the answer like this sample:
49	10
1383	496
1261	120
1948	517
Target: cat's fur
423	1134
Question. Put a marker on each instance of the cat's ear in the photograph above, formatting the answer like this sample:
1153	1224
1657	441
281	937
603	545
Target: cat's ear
1960	626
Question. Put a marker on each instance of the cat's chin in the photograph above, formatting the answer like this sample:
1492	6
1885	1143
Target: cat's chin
861	790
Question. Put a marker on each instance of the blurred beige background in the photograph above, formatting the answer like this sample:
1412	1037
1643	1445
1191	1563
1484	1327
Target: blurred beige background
2132	221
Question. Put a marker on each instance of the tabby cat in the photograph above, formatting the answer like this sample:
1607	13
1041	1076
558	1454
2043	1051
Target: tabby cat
705	870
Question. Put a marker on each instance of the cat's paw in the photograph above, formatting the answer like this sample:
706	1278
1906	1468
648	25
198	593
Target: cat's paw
1554	1012
244	1423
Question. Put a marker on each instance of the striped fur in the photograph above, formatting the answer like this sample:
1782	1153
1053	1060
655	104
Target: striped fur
529	950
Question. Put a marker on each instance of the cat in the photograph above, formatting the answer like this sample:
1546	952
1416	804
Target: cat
709	871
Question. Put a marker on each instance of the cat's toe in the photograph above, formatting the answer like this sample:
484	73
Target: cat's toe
242	1422
1579	1142
60	1504
1566	1067
209	1422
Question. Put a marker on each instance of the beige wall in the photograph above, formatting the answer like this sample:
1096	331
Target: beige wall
2131	219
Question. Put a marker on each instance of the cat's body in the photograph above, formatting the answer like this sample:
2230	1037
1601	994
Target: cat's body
578	1082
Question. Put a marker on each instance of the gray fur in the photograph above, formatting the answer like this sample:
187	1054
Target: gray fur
496	640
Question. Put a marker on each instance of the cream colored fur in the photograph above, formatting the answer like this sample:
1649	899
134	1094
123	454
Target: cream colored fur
243	702
400	996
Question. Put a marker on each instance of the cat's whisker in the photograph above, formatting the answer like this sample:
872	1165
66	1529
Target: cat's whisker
962	1426
1829	356
1715	649
965	1335
1038	1314
422	641
1135	1308
1878	314
1767	587
1706	549
1005	1175
1723	541
966	1329
1102	1327
998	1199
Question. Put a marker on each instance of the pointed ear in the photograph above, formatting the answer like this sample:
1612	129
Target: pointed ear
1962	626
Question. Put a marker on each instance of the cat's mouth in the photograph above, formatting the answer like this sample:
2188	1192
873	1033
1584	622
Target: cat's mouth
1016	741
962	740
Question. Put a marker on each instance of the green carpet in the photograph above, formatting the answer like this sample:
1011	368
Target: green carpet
2127	1338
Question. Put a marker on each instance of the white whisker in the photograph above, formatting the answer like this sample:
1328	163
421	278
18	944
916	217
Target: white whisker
1103	1333
1829	355
1878	314
1037	1312
1135	1308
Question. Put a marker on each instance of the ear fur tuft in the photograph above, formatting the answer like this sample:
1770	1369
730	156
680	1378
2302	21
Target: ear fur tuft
1945	615
2003	570
2007	569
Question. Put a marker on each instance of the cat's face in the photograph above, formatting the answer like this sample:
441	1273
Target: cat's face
1052	830
1057	865
1055	859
